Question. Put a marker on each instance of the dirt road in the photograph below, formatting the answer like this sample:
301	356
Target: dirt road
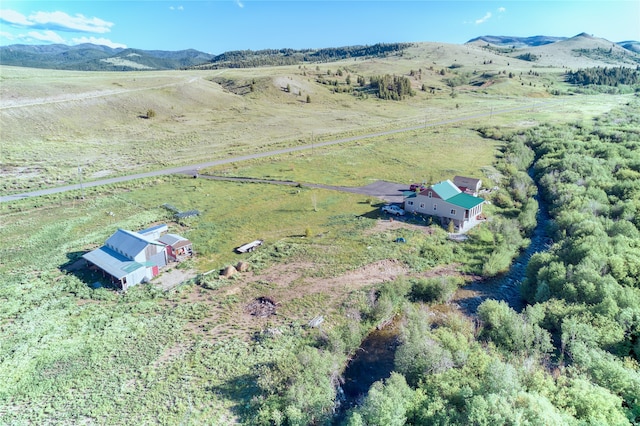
193	168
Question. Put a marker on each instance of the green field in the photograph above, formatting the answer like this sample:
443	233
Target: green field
72	354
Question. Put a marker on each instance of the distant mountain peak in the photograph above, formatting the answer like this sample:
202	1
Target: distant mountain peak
538	40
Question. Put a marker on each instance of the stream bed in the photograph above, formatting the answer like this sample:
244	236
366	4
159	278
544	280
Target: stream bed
374	359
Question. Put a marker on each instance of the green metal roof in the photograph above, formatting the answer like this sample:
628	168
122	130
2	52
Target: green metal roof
445	189
465	201
132	266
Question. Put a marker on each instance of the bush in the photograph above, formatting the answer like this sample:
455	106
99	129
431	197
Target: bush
435	290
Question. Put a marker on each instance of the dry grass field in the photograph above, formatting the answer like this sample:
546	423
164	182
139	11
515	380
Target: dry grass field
54	122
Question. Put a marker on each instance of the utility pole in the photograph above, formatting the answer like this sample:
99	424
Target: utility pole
80	178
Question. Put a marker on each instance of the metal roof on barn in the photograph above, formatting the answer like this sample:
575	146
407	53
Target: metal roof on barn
158	228
172	239
128	243
113	263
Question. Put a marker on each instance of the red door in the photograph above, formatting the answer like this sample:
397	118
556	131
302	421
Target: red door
155	270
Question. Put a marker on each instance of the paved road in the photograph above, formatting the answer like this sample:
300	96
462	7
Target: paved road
194	167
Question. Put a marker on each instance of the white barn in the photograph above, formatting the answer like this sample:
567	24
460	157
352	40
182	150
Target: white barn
129	257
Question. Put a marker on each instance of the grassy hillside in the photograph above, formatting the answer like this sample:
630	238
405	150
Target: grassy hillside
99	120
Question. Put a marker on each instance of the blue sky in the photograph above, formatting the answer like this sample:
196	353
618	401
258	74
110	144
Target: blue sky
222	25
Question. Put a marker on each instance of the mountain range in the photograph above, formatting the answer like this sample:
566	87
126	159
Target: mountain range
91	57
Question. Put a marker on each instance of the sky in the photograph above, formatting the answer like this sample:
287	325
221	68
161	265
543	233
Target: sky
217	26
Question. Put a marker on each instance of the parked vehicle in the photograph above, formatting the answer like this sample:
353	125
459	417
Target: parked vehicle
417	186
249	247
392	209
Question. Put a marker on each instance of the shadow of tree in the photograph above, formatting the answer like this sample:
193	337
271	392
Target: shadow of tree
241	391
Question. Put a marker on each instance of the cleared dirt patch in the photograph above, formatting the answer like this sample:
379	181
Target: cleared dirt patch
284	293
173	277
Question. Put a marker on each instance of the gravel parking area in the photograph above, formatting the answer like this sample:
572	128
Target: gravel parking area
173	277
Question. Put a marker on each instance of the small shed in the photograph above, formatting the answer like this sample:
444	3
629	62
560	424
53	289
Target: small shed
468	185
178	247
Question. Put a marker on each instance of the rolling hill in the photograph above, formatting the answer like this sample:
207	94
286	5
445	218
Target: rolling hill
582	50
515	41
91	57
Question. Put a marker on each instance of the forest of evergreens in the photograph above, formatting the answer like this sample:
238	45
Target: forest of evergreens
274	57
604	76
391	87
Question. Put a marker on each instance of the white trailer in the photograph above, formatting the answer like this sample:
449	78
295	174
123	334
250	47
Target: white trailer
249	246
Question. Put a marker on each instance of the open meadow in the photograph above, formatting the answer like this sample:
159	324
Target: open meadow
76	351
60	127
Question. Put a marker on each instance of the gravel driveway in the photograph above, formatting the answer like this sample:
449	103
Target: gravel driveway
390	192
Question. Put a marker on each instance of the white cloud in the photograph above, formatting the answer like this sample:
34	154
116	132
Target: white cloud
59	21
180	8
64	22
99	41
502	10
8	36
484	19
14	18
50	36
239	4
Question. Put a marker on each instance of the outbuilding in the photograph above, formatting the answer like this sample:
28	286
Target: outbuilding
178	248
129	257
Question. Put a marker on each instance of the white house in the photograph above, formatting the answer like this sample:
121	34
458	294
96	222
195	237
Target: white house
448	202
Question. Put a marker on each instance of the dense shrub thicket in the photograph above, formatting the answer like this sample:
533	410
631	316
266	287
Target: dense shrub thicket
571	356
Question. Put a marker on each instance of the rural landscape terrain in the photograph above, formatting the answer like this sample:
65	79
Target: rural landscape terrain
344	314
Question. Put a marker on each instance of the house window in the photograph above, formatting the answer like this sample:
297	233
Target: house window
410	203
429	195
422	205
453	211
435	207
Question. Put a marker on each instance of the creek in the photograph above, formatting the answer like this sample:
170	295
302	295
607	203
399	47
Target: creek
374	360
507	286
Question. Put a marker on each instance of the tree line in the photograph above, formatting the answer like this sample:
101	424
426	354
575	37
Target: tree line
275	57
604	76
